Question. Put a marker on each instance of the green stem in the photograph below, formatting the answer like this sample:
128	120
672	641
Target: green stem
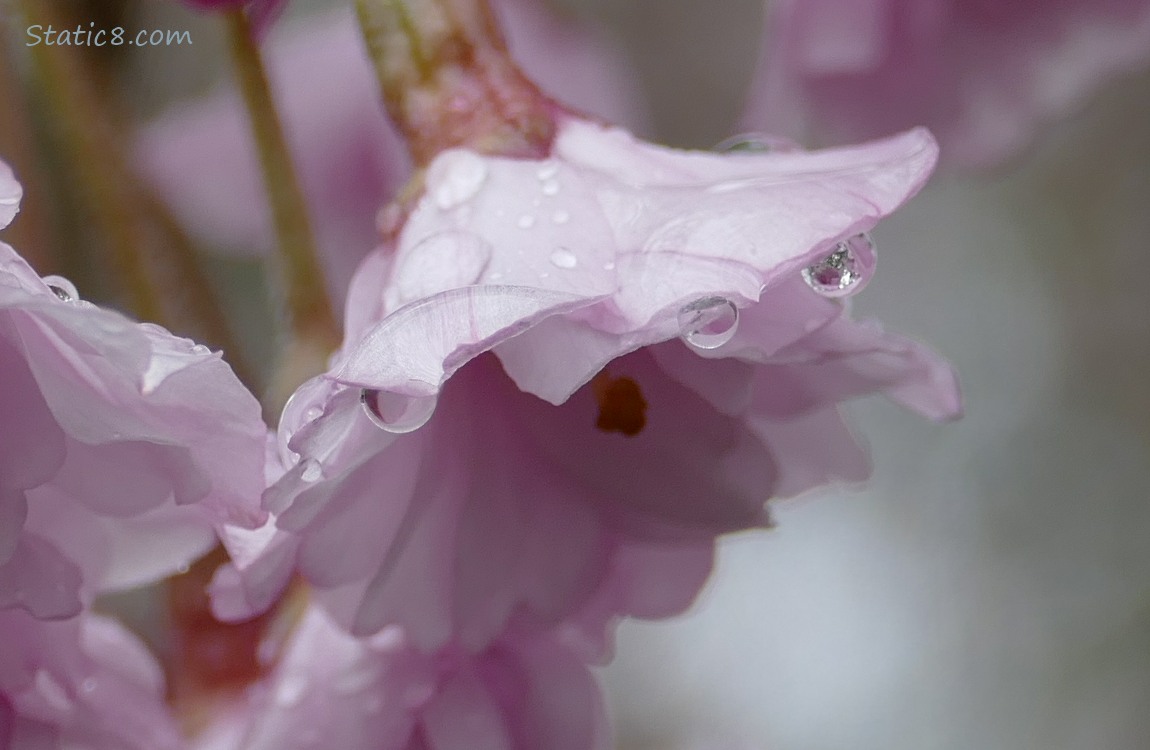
89	141
448	80
309	311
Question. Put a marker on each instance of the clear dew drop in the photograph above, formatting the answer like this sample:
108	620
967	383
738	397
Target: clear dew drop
708	323
526	221
456	179
394	412
201	349
64	290
61	293
560	217
845	270
551	187
564	258
609	265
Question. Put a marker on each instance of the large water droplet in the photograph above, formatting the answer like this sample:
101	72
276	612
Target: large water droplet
64	290
395	412
455	178
755	143
708	323
564	258
845	271
200	349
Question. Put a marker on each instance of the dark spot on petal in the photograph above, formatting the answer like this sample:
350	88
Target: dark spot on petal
622	407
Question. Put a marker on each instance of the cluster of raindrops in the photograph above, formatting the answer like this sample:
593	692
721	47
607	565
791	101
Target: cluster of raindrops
395	412
708	323
845	270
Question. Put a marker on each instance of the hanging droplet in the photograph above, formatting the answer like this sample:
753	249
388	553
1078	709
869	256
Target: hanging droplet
755	143
564	258
846	270
395	412
708	323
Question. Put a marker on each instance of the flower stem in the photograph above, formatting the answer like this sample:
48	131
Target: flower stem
448	80
309	312
90	146
156	268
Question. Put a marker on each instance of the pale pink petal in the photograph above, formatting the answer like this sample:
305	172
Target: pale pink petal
81	683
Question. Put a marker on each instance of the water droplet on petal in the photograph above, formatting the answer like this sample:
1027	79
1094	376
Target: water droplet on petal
548	170
845	271
310	470
609	265
551	187
560	217
395	412
564	258
526	221
455	178
708	323
201	349
61	293
755	143
312	414
88	685
64	290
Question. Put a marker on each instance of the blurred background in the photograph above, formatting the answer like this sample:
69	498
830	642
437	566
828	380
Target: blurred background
990	587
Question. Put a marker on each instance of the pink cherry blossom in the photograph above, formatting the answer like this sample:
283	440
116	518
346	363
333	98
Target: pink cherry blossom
200	156
331	689
982	74
513	433
123	445
82	683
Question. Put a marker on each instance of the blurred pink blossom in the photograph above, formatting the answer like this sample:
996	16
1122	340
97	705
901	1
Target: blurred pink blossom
514	437
261	12
81	683
200	156
331	689
122	445
983	75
